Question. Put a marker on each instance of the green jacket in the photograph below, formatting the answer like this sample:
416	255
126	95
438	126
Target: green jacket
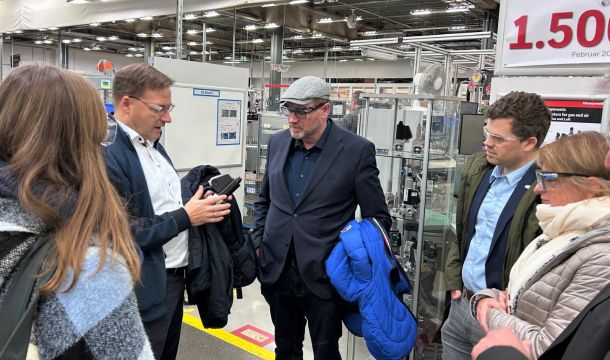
523	227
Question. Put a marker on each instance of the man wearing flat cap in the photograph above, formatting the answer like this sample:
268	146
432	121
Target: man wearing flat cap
316	175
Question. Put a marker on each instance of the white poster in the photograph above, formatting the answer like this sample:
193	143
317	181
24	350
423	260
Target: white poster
554	32
229	122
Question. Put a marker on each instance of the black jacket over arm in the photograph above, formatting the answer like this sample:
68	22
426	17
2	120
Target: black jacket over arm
150	231
345	176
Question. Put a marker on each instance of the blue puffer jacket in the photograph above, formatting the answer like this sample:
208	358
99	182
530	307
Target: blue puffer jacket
363	270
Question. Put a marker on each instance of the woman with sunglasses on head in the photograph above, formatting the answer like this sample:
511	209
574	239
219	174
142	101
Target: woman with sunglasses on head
569	264
54	190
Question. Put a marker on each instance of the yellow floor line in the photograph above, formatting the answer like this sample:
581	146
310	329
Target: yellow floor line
229	338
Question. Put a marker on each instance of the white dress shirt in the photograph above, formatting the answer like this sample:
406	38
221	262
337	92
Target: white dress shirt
164	190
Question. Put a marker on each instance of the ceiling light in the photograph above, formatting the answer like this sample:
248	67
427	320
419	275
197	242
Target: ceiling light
194	53
297	51
76	2
94	24
159	53
211	14
138	55
227	58
146	18
461	8
418	12
156	34
38	42
192	43
47	41
209	29
18	31
269	5
167	48
142	35
66	41
87	49
343	60
297	37
101	38
457	28
370	33
317	35
271	25
76	40
129	55
358	60
192	31
250	27
325	20
53	28
190	17
209	43
294	2
42	29
378	54
133	49
113	37
130	20
96	47
257	41
336	48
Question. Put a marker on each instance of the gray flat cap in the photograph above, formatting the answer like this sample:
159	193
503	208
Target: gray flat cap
306	89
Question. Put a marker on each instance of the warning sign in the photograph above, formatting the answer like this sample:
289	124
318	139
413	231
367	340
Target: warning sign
254	335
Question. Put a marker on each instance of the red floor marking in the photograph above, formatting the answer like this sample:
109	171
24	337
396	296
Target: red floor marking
254	335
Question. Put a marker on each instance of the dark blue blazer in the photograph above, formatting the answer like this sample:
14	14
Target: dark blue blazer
150	232
494	265
345	176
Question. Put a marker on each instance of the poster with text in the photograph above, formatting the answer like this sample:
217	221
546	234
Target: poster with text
229	122
555	32
569	117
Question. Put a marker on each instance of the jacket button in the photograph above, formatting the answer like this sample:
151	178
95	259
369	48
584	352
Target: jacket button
295	216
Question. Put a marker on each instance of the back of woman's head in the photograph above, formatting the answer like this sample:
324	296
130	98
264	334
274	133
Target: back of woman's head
52	122
583	153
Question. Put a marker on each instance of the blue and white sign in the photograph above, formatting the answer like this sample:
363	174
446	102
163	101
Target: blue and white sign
206	92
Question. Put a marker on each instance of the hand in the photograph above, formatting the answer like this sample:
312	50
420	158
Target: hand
205	211
456	294
501	337
483	307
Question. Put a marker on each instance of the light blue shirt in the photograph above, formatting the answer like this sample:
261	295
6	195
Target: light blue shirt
502	187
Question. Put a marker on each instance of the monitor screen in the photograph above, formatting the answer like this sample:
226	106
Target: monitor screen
469	107
471	134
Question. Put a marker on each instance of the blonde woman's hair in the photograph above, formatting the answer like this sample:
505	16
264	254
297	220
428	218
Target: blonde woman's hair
51	124
583	153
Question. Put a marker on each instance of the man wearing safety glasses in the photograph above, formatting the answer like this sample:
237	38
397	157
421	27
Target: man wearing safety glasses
316	175
495	213
144	176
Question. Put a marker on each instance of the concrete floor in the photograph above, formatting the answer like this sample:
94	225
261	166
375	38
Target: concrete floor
250	311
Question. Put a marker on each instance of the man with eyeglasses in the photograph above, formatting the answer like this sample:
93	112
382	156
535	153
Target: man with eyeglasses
316	175
144	176
495	214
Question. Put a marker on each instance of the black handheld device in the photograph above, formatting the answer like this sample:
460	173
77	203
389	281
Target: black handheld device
224	184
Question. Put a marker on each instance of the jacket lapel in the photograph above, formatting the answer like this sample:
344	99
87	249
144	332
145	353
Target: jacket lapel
332	148
283	145
509	209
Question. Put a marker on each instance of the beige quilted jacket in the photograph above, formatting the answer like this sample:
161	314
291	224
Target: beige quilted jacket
552	300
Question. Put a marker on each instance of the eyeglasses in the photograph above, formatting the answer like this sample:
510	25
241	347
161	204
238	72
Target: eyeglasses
498	139
545	177
300	112
110	132
160	110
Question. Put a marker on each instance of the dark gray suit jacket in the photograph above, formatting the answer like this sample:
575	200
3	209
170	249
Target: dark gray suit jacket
345	175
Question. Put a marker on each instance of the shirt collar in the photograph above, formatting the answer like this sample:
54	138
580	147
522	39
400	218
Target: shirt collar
513	176
133	135
321	142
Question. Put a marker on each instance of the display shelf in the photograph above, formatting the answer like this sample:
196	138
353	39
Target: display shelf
415	137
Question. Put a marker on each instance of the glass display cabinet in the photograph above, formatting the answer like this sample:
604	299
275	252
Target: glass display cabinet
259	129
416	140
